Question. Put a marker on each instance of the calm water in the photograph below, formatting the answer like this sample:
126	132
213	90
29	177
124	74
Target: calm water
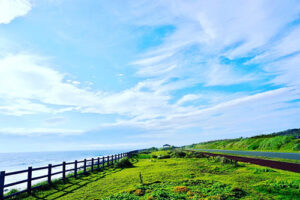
20	161
17	161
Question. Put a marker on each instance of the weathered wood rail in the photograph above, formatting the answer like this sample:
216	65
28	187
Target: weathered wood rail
87	164
293	167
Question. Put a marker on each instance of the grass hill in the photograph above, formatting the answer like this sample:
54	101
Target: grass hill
284	141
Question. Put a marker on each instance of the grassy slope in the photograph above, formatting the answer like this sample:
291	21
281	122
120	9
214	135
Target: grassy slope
285	143
256	181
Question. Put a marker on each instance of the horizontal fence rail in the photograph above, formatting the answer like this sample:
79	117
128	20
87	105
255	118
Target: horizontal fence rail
87	164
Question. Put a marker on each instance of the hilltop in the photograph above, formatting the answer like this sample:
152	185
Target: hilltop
284	141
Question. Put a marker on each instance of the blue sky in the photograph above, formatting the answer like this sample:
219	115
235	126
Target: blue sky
93	74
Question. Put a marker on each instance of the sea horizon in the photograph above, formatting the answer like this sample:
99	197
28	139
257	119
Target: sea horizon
11	161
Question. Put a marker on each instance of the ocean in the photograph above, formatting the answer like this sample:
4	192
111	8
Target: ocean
19	161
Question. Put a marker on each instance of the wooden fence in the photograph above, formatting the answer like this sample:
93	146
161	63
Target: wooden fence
91	164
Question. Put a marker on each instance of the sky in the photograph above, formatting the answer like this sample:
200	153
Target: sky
85	75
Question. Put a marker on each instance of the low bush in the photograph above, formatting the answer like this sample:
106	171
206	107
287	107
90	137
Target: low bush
178	154
123	163
222	159
163	156
194	154
296	147
139	192
181	189
262	170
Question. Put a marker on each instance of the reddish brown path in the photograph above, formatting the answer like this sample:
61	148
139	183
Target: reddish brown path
293	167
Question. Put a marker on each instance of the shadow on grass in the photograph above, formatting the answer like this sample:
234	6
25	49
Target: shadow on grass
60	188
75	184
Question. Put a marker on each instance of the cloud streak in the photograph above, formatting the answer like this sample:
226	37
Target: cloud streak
226	68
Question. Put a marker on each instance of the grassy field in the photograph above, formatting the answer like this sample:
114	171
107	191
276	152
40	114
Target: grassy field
178	178
272	142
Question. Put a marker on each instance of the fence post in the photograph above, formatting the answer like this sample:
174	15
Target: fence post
92	169
98	163
103	162
2	179
75	169
49	173
29	177
84	166
64	170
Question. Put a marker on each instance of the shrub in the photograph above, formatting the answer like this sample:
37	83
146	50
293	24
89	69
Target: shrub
194	154
261	170
150	198
222	159
178	154
123	163
181	189
139	192
154	156
164	157
12	191
297	147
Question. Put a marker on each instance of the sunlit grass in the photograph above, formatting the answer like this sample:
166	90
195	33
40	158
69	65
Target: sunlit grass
286	143
161	176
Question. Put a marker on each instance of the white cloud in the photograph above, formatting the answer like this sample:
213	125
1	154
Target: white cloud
188	98
10	9
29	86
39	131
188	57
25	77
20	107
248	114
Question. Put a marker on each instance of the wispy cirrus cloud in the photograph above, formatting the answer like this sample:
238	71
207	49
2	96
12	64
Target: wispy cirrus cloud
40	131
224	68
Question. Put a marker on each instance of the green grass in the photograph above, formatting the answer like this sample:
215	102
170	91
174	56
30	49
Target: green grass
161	153
261	157
179	178
281	143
